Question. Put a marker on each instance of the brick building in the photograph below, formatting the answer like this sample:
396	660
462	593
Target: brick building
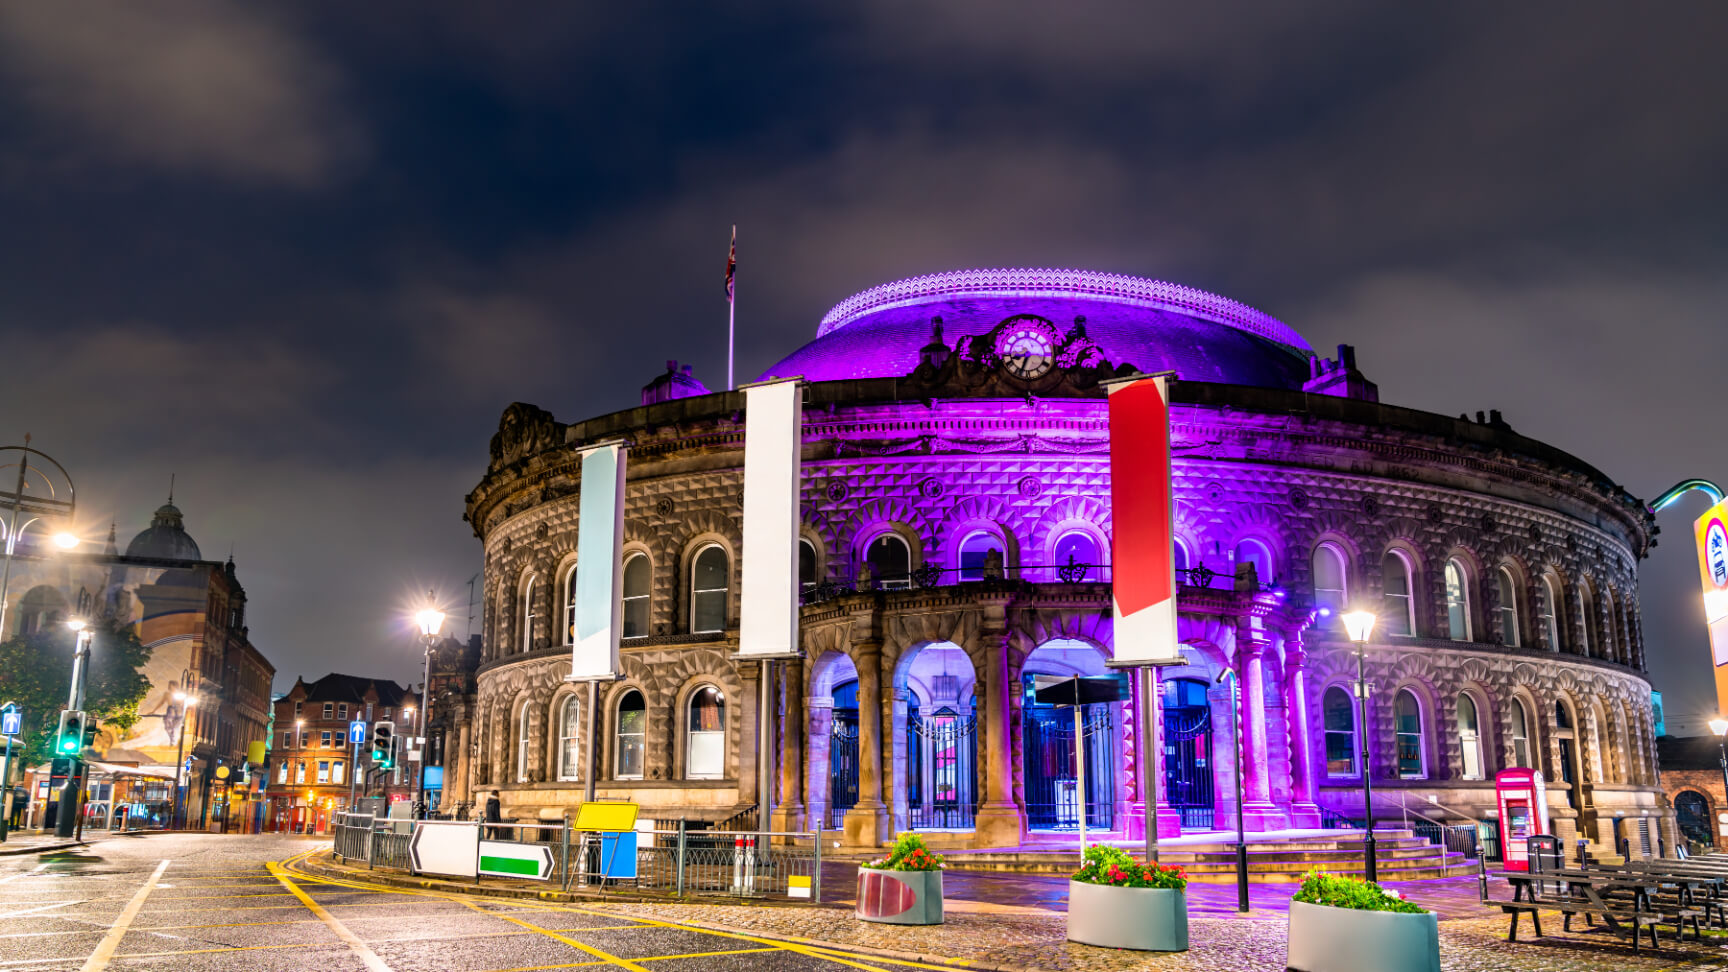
312	762
1692	776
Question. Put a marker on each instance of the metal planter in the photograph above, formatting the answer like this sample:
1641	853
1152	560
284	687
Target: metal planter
1326	939
900	897
1147	919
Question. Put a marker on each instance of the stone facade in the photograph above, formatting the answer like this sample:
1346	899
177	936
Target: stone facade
1515	569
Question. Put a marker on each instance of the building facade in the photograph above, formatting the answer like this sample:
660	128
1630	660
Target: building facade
317	768
1692	779
955	545
191	614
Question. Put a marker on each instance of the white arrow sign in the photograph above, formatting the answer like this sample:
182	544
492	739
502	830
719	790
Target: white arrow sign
444	847
499	858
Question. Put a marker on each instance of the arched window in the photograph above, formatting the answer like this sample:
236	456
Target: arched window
710	578
974	549
1457	602
569	749
1328	563
528	614
705	751
1080	547
1397	607
1586	620
1256	553
1551	615
41	608
632	736
1520	735
890	562
806	566
1407	716
1508	591
522	745
637	575
1610	647
1341	748
570	605
1692	816
1182	561
1469	738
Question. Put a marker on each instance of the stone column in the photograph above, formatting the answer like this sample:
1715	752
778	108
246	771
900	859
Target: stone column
816	777
1304	812
867	822
789	813
999	821
1258	813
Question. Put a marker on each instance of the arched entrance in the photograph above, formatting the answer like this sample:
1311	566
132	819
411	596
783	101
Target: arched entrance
1048	746
1567	738
1692	816
1188	752
937	759
831	743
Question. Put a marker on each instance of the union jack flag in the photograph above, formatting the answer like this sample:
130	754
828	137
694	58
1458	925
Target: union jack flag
732	265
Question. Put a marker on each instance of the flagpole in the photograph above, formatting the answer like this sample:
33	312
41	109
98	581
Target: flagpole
731	305
731	318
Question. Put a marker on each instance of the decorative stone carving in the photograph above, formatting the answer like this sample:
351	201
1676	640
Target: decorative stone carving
523	430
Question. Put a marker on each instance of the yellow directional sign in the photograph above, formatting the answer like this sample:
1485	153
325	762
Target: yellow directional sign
612	817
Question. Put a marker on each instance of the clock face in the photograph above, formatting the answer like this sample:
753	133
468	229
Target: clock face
1026	351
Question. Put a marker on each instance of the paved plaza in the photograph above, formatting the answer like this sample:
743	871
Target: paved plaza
195	902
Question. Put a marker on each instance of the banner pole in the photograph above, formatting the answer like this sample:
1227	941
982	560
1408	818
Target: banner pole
1150	751
764	749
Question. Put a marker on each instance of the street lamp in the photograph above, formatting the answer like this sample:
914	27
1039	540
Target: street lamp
1720	728
47	498
1241	839
187	702
67	822
431	621
1359	625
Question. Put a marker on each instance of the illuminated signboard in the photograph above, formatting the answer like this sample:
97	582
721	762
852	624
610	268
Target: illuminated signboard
1712	533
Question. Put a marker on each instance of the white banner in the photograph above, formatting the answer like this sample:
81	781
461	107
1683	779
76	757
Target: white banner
1143	552
773	441
599	578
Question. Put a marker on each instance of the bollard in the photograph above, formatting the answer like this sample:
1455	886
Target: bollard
816	878
737	865
749	865
680	864
1482	873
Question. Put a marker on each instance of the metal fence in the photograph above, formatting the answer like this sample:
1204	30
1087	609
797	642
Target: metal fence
667	860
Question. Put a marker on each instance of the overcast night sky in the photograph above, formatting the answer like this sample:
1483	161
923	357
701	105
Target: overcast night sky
302	256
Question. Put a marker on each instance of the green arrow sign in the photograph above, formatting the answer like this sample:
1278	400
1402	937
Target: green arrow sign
499	858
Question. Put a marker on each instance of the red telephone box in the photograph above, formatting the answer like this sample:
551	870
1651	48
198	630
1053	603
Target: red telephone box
1523	799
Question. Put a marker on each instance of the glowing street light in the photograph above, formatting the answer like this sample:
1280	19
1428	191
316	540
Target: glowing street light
1719	726
43	491
187	701
65	540
1359	625
431	622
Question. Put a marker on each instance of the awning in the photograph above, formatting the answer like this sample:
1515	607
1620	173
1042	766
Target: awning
148	772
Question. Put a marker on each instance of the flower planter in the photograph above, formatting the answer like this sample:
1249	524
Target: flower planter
1326	939
1147	919
900	897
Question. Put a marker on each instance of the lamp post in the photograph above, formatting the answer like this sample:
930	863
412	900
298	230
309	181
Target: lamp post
42	501
67	820
1360	625
1241	838
1720	728
431	621
186	701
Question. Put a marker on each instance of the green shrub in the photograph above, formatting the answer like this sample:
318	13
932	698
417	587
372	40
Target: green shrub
1343	891
1103	864
909	854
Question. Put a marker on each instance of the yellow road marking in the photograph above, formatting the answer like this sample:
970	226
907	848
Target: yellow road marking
230	948
573	943
653	958
355	945
105	948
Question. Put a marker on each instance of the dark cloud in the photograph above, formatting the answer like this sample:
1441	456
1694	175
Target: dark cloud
303	261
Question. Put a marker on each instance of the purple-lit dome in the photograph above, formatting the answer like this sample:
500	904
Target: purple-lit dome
1150	324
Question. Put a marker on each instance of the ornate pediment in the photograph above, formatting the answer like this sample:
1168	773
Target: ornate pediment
523	430
1023	355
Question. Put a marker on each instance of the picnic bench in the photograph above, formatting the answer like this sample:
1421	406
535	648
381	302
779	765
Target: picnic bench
1625	901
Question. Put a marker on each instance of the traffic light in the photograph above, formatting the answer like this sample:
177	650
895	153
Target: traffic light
383	744
69	738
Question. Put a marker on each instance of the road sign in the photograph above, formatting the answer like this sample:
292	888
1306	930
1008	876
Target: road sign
357	732
1085	690
444	848
605	816
618	855
11	720
502	858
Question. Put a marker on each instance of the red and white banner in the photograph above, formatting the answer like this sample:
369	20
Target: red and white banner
773	443
1142	554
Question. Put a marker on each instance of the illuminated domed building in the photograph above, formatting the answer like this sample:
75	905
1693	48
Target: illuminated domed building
956	528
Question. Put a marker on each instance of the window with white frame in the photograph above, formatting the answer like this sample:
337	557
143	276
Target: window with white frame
1329	587
1551	616
1340	717
329	710
705	751
1469	738
323	771
1508	591
324	739
282	772
1397	607
1520	735
300	771
806	566
522	738
569	747
341	739
528	614
336	771
1457	602
637	578
342	710
1407	722
710	582
890	561
570	605
973	552
632	736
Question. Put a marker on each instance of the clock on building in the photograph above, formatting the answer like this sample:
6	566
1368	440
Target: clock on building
1027	348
